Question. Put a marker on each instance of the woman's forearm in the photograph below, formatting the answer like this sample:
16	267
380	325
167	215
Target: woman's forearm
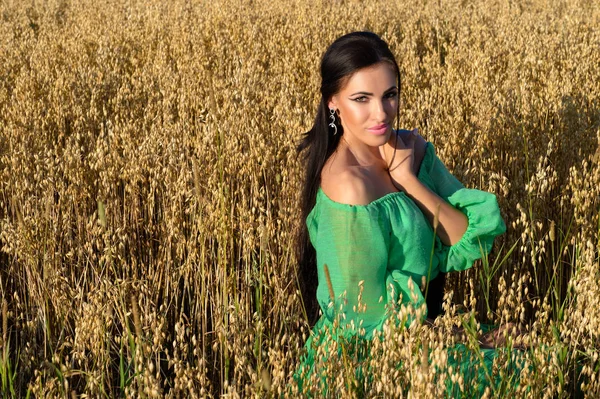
452	223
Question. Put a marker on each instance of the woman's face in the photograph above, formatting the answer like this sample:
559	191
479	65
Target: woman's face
367	104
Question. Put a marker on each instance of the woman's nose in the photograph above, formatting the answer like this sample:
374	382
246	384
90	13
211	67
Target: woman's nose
379	111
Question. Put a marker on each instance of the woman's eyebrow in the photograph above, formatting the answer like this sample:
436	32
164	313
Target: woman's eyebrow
365	93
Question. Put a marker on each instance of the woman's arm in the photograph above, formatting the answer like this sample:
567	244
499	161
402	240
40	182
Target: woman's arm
483	219
452	223
405	152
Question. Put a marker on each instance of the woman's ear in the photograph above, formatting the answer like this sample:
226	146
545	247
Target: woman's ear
332	103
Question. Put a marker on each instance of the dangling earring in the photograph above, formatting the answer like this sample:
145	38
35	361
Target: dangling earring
332	117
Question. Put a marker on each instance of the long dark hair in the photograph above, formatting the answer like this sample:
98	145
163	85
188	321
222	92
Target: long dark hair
343	58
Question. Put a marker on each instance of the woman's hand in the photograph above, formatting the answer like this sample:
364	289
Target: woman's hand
399	155
498	337
404	153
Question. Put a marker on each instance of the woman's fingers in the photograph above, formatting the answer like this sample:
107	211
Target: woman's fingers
402	160
408	142
400	145
413	138
497	337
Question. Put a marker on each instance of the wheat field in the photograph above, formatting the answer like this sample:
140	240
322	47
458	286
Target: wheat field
149	191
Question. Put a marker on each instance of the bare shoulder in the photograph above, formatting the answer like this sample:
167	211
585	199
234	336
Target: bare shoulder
349	185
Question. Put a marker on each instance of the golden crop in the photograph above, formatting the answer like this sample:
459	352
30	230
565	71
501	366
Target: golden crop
149	189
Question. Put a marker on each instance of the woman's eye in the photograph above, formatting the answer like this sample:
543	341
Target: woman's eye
361	99
392	94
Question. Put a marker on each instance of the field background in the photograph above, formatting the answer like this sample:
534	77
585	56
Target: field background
149	188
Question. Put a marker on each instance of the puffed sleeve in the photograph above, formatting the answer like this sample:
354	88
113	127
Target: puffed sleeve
480	207
353	242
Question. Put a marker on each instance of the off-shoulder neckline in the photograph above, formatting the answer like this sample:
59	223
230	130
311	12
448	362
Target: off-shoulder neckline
381	199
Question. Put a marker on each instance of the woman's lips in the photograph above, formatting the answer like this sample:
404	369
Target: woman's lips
379	129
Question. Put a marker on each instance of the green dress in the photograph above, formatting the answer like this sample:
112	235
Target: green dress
379	247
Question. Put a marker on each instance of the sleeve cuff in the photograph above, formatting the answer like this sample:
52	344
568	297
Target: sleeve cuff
485	223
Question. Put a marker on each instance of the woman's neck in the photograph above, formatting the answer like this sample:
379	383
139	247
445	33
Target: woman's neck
363	154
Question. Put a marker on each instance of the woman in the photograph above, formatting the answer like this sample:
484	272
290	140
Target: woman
372	195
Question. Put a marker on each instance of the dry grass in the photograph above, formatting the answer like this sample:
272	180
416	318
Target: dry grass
149	189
